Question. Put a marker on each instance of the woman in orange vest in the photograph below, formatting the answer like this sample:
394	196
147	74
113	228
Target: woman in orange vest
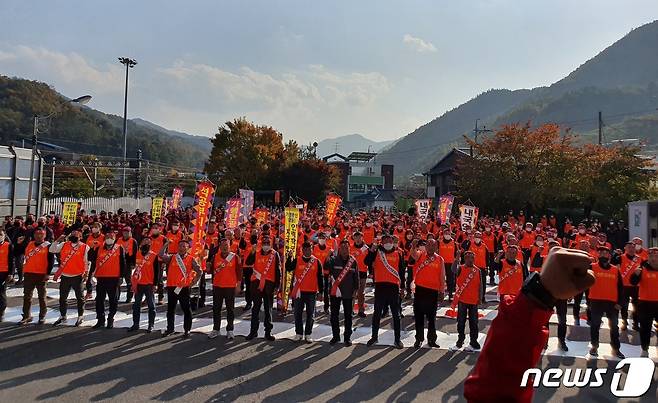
226	270
36	268
73	269
646	278
467	296
605	299
6	269
144	280
109	266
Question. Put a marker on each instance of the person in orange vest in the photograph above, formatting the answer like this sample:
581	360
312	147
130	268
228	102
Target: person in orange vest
489	240
359	250
129	245
6	269
639	249
37	266
628	262
537	254
343	273
526	241
481	259
646	278
157	242
183	271
510	272
265	281
322	252
388	270
605	299
73	269
429	287
94	241
226	270
467	295
108	267
449	252
307	281
143	282
248	245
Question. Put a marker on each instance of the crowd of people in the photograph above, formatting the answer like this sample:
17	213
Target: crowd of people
402	256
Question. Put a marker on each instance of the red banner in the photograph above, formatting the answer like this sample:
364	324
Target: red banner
176	197
233	207
445	207
331	207
205	191
261	216
277	196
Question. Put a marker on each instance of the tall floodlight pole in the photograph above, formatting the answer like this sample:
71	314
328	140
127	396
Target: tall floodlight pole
129	63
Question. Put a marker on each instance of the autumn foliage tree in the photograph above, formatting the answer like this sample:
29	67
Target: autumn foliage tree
520	167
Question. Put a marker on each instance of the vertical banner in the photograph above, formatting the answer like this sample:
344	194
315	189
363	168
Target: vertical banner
176	197
69	212
233	207
423	207
277	196
261	216
290	250
445	207
205	191
331	207
469	216
247	199
156	208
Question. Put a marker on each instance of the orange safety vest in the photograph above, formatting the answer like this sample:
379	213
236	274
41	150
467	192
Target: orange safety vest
627	267
511	278
4	257
227	276
480	254
310	281
447	250
488	240
174	239
75	266
260	266
36	262
471	291
605	286
108	262
127	246
157	243
527	240
383	274
146	269
322	255
430	275
360	254
175	272
648	286
95	241
533	252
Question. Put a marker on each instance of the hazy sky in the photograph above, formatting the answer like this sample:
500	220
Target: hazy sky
311	69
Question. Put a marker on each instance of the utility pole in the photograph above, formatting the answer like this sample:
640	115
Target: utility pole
34	151
130	63
52	179
95	176
600	129
139	168
477	131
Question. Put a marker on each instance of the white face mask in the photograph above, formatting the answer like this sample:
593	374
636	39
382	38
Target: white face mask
94	230
488	229
388	246
368	225
478	240
638	247
447	237
322	242
540	243
266	248
174	227
581	231
109	242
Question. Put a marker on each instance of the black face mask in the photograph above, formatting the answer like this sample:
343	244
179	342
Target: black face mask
145	249
604	261
73	239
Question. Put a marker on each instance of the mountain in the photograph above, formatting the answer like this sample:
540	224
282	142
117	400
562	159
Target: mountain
84	130
620	82
347	144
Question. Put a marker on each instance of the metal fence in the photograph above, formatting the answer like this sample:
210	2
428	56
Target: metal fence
104	204
15	180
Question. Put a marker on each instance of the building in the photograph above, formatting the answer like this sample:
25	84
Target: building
15	181
376	198
360	174
441	177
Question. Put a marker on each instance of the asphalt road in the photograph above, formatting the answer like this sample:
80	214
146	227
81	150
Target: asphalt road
80	364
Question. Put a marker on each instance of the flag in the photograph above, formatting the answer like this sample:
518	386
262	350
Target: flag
233	206
205	191
156	208
69	212
445	207
277	196
290	250
247	199
331	207
176	197
261	216
469	216
423	207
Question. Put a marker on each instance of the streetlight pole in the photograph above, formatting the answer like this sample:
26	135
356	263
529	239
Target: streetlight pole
129	63
35	140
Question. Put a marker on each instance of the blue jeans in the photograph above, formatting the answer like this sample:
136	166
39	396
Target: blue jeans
305	301
144	291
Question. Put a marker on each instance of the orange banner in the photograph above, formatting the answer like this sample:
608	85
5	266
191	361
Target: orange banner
331	207
205	191
261	216
176	196
233	207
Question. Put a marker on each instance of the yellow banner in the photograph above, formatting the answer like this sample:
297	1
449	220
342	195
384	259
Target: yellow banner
69	212
156	208
292	220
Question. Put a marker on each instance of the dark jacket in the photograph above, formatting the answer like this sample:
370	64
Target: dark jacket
350	283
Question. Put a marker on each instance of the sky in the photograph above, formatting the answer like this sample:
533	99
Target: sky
311	69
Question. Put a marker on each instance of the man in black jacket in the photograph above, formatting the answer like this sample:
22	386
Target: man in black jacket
344	276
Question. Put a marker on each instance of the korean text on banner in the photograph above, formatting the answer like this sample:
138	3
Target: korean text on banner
69	212
423	208
156	208
233	206
205	191
176	197
331	207
445	208
469	216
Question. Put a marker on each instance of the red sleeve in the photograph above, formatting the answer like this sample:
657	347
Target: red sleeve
514	343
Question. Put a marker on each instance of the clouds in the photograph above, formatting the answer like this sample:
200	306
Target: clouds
417	44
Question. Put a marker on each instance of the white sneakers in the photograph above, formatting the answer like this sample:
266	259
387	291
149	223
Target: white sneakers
298	337
229	335
213	334
308	339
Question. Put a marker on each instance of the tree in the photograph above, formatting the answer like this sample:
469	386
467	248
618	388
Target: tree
310	179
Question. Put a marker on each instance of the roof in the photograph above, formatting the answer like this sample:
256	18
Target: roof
361	156
378	195
334	155
457	152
